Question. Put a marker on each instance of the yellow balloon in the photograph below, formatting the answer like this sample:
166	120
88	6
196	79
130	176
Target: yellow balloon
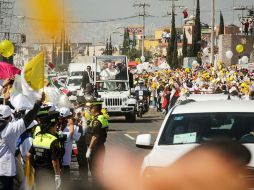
239	48
6	48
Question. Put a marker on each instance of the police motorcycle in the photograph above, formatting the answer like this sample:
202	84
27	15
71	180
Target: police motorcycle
142	96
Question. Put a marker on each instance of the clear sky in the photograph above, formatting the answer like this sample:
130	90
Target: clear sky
109	9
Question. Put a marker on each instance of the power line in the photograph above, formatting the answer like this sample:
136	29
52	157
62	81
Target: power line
84	22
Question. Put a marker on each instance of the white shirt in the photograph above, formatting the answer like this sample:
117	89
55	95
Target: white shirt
109	74
8	140
68	144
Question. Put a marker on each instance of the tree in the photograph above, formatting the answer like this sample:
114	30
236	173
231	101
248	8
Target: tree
134	41
185	45
171	45
221	29
107	49
133	54
110	48
126	42
175	55
196	37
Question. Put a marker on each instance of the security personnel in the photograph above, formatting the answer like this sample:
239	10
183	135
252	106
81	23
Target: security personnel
96	135
47	153
81	144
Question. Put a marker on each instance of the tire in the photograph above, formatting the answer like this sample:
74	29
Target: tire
140	113
130	117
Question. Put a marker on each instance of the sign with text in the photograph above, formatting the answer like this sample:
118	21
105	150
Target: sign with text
135	30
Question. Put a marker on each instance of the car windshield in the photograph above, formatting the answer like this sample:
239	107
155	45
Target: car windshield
77	73
198	127
112	86
111	69
74	82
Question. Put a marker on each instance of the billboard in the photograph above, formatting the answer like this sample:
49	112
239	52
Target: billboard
137	30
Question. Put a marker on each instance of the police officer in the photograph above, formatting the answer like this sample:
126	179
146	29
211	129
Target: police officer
47	153
96	135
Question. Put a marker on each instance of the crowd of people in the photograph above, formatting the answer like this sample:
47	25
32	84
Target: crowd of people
36	146
167	85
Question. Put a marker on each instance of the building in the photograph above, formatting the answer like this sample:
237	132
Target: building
229	42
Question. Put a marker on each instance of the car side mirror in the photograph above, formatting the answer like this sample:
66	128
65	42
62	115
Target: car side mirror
144	141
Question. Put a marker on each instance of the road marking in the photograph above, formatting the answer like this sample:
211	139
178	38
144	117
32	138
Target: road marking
130	137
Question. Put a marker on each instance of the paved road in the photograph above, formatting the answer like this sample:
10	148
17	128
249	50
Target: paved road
123	134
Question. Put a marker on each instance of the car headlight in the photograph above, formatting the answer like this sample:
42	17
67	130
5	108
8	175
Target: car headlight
125	99
140	97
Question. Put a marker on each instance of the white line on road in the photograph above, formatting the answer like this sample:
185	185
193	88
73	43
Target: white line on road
130	137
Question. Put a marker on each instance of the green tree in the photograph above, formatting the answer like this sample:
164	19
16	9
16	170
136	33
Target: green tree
134	41
110	47
133	54
174	63
196	37
126	42
185	45
170	48
107	48
221	29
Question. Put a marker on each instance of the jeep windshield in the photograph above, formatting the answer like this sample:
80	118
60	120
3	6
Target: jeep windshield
198	127
112	86
111	68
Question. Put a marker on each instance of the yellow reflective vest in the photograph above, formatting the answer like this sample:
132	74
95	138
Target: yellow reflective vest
103	120
43	141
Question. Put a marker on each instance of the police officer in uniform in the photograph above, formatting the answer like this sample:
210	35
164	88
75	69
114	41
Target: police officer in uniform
47	153
96	135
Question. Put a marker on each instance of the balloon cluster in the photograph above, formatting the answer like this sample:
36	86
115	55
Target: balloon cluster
6	48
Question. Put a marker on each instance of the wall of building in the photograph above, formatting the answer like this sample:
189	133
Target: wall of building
229	42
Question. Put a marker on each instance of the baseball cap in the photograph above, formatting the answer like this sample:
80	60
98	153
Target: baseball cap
65	112
5	111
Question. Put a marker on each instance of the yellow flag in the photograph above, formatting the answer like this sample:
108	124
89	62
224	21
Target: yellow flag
34	72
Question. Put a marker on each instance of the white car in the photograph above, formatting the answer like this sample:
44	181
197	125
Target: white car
187	125
206	97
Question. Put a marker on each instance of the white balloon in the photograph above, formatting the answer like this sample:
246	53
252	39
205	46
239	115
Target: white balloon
229	54
245	59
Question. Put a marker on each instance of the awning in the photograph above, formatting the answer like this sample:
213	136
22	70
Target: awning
132	64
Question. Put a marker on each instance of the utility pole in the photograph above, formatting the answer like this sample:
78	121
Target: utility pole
212	30
143	5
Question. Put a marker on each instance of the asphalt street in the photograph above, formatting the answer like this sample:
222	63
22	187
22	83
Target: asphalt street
123	134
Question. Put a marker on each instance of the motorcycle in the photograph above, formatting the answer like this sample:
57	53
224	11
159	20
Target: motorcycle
143	105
